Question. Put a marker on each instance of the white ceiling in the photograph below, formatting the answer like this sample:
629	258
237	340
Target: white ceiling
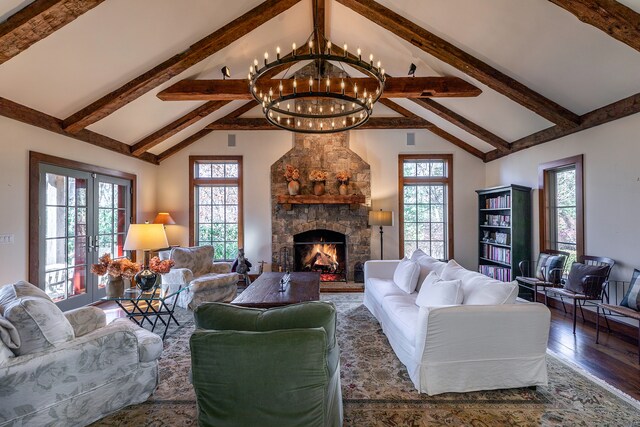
533	41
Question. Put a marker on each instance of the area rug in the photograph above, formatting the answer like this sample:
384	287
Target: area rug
377	390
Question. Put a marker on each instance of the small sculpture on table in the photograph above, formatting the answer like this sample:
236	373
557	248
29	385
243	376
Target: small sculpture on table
284	282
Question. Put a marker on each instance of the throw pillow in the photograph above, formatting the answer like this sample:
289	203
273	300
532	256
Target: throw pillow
549	268
632	297
417	254
453	271
197	259
406	275
436	292
579	271
428	264
486	291
39	322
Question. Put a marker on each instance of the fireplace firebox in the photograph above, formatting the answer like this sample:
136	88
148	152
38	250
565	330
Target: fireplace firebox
323	251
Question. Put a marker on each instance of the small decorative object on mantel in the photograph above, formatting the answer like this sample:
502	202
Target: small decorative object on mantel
318	177
343	178
117	270
292	175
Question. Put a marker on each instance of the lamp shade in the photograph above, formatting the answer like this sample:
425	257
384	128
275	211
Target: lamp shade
164	218
145	237
381	218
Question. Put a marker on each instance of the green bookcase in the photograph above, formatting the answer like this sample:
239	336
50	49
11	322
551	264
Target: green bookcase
504	230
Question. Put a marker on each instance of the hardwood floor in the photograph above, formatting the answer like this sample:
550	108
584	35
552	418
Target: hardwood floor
614	360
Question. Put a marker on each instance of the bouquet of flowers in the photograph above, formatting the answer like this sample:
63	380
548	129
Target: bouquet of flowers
343	176
121	267
160	267
317	175
291	173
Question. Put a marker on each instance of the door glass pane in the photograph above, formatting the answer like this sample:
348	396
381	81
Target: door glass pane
64	250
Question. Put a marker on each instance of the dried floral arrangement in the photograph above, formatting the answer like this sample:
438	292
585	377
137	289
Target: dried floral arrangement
291	173
343	176
160	267
121	267
317	175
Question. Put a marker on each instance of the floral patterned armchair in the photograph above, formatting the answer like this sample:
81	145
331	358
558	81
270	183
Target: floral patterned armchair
208	281
69	368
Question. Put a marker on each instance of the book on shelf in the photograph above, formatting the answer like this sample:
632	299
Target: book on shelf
500	220
495	272
499	202
496	254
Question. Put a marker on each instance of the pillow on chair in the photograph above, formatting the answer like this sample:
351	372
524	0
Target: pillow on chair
632	297
545	269
579	271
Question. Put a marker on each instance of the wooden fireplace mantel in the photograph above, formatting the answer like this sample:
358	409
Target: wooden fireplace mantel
353	200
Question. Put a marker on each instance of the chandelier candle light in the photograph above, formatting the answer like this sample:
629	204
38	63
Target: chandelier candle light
329	104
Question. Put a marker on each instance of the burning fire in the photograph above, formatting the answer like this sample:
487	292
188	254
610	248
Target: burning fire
322	256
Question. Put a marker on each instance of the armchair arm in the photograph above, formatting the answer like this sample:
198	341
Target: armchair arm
107	353
524	267
86	319
220	267
177	276
381	269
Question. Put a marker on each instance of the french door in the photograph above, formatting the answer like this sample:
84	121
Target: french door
81	216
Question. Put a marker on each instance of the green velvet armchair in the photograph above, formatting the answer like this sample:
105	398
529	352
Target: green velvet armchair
267	367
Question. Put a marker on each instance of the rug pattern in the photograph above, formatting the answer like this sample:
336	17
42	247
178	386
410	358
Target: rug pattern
377	390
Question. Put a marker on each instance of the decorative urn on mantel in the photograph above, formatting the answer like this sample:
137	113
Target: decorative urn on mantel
292	175
319	178
343	178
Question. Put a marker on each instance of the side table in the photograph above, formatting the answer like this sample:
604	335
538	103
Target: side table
141	306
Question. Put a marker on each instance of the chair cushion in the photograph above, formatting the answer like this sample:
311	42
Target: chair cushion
546	265
437	292
579	271
39	322
632	297
198	259
406	275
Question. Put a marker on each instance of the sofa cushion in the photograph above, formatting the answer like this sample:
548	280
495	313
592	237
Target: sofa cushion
403	312
378	289
406	275
579	271
632	297
436	292
198	259
483	290
213	280
39	322
427	264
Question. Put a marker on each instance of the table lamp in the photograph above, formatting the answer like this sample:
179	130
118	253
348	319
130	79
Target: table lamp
164	218
145	237
383	219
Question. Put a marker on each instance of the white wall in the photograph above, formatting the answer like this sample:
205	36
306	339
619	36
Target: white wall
379	148
17	139
611	187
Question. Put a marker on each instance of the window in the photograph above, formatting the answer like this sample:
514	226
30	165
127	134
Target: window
216	204
79	212
426	204
561	210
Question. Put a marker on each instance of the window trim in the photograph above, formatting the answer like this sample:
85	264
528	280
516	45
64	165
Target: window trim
35	160
544	170
193	181
448	181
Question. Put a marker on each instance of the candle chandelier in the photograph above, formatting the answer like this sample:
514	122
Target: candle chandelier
324	102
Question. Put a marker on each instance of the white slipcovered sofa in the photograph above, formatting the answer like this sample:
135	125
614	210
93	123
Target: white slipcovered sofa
488	341
69	369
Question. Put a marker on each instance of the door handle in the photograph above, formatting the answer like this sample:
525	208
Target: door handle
90	244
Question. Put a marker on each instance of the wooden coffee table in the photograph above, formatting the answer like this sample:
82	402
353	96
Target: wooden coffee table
264	291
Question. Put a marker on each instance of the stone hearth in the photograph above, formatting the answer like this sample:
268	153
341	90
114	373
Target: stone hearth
330	153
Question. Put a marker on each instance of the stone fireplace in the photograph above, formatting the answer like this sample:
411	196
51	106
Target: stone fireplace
301	232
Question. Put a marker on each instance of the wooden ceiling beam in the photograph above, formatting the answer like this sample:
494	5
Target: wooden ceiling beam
37	21
398	109
457	142
395	87
614	111
176	126
319	19
32	117
373	123
203	132
463	123
183	144
173	66
617	20
447	52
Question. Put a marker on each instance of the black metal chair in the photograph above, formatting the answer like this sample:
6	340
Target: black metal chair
595	286
543	277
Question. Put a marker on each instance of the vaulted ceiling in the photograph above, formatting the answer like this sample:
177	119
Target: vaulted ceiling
493	77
